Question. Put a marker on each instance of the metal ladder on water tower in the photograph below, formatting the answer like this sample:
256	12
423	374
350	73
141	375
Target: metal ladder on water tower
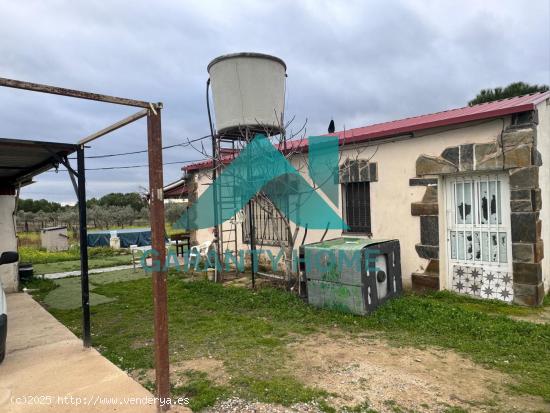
227	201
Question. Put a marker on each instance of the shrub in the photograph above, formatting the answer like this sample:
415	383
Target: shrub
41	256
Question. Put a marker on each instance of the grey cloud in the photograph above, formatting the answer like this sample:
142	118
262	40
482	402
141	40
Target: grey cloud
357	61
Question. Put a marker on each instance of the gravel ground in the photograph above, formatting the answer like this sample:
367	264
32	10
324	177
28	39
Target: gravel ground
236	405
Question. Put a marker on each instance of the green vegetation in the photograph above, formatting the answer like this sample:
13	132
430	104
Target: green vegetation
200	390
513	89
39	287
114	210
74	265
45	262
361	408
249	331
64	293
41	256
36	205
117	199
31	239
442	319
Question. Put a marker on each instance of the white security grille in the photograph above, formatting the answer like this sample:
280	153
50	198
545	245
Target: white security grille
478	232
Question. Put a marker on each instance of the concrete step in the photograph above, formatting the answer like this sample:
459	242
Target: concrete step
425	282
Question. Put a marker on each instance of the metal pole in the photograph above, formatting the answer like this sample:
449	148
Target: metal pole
217	224
252	242
160	296
86	336
251	222
114	126
54	90
215	159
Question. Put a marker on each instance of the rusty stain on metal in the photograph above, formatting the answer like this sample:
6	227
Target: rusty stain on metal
114	126
160	299
54	90
154	139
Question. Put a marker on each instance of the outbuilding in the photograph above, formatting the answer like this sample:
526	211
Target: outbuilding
54	238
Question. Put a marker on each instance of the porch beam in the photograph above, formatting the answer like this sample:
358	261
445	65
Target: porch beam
54	90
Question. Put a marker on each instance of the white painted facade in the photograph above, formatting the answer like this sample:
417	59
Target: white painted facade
8	242
391	194
543	144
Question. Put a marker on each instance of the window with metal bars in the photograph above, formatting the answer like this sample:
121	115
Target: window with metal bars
477	228
357	206
269	224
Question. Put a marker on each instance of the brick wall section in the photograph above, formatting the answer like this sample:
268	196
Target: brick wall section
515	151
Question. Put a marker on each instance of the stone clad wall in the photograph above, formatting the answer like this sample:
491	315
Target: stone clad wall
516	152
428	248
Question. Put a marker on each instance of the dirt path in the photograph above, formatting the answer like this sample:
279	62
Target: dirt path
355	370
428	380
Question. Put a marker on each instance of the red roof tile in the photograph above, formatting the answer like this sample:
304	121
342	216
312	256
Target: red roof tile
403	126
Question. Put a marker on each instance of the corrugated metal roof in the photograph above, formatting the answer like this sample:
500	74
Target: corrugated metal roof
408	125
21	160
176	190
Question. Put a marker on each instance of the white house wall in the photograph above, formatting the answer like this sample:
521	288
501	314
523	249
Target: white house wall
391	195
8	242
543	144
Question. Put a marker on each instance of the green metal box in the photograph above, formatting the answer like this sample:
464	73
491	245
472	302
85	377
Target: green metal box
355	275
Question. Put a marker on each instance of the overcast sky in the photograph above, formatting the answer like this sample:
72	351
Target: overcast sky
361	62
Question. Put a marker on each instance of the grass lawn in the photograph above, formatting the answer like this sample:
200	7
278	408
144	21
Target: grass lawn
249	331
73	265
45	262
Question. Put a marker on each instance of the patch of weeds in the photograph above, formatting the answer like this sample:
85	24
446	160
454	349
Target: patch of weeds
359	408
280	390
41	256
515	347
74	265
39	287
325	407
149	385
455	409
200	390
486	306
249	331
69	295
395	408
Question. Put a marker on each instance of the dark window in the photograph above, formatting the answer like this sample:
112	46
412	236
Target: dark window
269	224
357	206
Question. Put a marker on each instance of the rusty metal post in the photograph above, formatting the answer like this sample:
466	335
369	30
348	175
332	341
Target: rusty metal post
159	274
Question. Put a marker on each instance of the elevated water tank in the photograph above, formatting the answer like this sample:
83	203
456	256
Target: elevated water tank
248	91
